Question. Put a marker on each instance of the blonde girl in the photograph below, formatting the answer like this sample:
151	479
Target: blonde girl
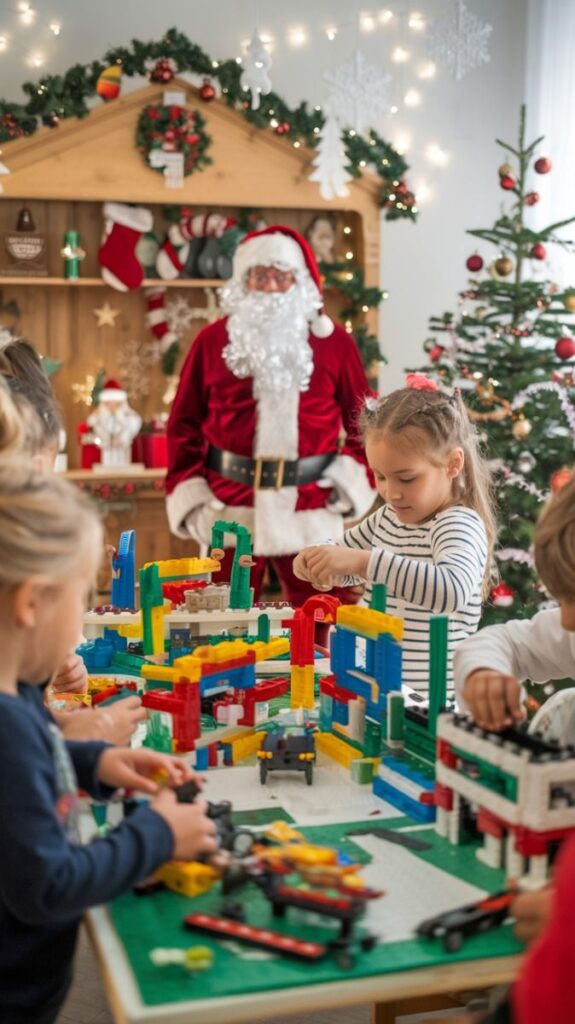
50	547
431	541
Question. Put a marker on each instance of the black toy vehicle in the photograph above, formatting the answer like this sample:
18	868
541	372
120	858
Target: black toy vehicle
287	752
454	926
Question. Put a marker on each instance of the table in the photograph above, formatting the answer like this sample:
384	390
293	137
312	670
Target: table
418	884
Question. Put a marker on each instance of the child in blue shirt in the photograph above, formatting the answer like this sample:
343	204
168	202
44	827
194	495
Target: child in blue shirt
50	547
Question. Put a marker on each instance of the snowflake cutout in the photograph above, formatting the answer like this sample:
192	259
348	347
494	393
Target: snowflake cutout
358	92
181	315
459	41
134	360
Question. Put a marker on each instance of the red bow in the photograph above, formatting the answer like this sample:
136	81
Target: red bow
420	382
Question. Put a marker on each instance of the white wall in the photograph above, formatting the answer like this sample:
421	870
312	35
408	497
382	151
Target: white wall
423	264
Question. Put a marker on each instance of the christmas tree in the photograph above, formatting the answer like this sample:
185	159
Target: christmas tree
510	348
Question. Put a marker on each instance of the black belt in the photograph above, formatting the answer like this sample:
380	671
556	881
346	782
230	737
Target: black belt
268	472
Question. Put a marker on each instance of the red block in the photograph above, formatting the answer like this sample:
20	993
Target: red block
443	797
489	824
213	755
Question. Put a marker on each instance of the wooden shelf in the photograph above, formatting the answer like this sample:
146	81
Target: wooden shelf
97	282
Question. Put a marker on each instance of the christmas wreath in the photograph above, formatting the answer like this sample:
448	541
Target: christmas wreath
173	129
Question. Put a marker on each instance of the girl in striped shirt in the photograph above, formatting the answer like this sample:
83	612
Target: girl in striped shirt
431	541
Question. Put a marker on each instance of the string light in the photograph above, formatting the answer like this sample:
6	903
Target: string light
331	33
427	70
27	13
400	55
366	22
3	43
36	60
416	21
412	98
347	230
402	143
393	110
385	16
55	27
436	155
297	36
349	255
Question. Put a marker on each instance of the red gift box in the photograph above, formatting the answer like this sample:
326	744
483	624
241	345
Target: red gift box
151	449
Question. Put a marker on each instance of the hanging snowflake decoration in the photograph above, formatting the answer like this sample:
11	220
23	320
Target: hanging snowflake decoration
134	360
181	315
255	77
358	93
459	41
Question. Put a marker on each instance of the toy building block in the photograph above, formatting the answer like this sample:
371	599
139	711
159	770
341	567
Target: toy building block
177	569
223	927
362	770
370	623
378	597
189	878
438	628
123	572
337	749
241	594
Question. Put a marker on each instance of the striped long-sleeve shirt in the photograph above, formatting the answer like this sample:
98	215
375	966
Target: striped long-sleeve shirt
434	567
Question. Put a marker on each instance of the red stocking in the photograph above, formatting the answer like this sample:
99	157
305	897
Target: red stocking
117	257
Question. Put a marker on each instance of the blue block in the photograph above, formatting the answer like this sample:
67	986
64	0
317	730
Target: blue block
202	759
325	712
420	812
402	768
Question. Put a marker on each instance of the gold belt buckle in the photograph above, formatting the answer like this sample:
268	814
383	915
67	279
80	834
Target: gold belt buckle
258	470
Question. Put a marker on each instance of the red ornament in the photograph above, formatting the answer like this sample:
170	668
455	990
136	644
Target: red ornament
502	596
474	263
283	128
560	479
436	353
538	251
163	71
531	198
175	111
507	182
542	165
565	347
207	91
192	139
129	488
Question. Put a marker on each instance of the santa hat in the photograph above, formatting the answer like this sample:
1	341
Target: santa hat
283	247
112	392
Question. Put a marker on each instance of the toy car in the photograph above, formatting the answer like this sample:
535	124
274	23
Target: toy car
454	926
287	752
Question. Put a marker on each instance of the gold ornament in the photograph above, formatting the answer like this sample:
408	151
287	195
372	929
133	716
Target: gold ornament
506	170
105	315
569	301
481	312
521	428
503	266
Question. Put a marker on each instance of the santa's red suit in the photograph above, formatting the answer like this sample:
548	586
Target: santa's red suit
276	438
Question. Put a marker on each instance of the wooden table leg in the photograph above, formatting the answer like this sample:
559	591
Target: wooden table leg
385	1013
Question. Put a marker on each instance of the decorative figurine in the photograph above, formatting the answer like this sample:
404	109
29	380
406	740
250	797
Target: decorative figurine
321	236
115	425
72	254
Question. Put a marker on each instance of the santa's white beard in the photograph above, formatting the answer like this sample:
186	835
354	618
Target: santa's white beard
268	335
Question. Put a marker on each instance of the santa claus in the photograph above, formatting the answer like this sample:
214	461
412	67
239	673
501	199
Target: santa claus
256	431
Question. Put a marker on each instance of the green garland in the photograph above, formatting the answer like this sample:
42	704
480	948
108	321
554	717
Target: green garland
176	128
55	97
347	278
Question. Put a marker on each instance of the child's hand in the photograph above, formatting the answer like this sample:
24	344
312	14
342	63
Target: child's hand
325	564
493	699
532	911
299	565
193	832
71	677
135	769
115	723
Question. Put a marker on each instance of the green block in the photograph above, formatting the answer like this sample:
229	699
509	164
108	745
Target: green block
372	739
362	771
378	597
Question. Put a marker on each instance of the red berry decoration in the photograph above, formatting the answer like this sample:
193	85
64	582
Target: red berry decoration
538	251
507	182
531	198
542	165
565	347
207	91
436	353
474	263
282	128
502	596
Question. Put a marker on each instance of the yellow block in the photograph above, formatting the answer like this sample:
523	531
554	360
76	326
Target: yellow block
228	650
368	622
131	631
301	689
187	877
245	746
185	567
158	673
336	749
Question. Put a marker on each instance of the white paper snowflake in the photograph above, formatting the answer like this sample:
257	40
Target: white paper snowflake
357	93
459	41
181	315
134	359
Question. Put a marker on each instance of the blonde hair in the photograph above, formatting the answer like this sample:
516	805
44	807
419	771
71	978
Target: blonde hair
45	524
554	544
444	422
13	422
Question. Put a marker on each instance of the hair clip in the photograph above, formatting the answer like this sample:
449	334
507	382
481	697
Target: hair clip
419	382
371	403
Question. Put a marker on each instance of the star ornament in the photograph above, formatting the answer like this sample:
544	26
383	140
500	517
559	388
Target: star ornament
105	315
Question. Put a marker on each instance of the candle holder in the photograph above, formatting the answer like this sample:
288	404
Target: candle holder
72	255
